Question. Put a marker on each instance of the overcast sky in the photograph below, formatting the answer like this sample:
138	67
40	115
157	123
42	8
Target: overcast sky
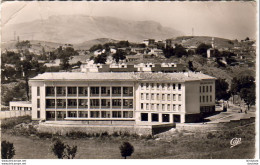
220	19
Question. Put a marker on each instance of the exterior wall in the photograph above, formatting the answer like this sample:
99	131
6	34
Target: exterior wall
162	106
209	95
192	96
20	106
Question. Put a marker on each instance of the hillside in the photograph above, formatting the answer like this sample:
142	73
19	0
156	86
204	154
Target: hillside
197	40
87	44
80	28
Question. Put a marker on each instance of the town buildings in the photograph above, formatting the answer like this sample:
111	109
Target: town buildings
142	98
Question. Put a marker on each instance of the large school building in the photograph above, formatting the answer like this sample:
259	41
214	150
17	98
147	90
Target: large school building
126	97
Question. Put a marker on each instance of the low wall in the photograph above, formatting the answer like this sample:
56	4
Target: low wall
9	114
92	129
214	126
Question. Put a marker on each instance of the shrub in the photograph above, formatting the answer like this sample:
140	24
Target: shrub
7	150
210	135
11	122
126	149
63	151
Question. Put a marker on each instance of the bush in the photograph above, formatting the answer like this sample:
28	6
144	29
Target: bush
63	151
11	122
7	150
210	135
126	149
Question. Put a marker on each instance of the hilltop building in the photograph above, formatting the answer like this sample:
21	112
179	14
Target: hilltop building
122	98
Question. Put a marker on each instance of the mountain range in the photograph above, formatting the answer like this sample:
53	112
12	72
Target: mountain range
79	28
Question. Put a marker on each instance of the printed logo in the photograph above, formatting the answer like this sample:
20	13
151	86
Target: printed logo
234	142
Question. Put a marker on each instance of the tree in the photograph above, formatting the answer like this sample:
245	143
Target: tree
65	64
63	151
202	49
248	95
191	68
222	90
7	150
168	52
70	152
180	51
58	148
100	59
119	55
95	47
126	149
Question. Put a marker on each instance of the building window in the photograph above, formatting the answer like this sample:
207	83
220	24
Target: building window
72	113
128	114
207	98
200	99
174	97
173	86
176	118
152	96
207	88
72	103
127	91
142	86
200	89
163	86
163	107
210	88
147	106
50	91
152	86
158	107
179	97
61	103
169	86
203	99
105	114
165	118
142	96
152	106
72	91
203	89
105	103
50	103
38	103
147	96
158	96
83	103
168	97
116	103
142	105
158	86
210	98
147	86
180	107
163	97
168	107
116	91
38	114
179	86
94	91
144	116
83	91
174	107
94	103
38	91
94	114
61	91
50	115
155	117
128	103
83	114
116	114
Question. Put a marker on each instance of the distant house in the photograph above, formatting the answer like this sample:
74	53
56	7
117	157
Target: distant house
20	106
54	63
210	52
132	58
149	42
99	52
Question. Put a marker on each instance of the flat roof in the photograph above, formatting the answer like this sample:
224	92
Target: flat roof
120	76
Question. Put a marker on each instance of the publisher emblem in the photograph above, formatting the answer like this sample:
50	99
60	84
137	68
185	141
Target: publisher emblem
234	142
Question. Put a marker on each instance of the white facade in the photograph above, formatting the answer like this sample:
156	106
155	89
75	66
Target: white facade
144	98
20	106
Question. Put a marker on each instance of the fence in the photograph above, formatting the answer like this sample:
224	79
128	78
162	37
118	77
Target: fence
9	114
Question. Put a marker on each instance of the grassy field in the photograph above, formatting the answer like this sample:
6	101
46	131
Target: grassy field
174	145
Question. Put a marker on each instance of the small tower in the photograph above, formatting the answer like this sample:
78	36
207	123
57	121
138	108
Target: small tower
213	43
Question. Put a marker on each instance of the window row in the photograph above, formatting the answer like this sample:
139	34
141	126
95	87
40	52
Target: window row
205	89
60	115
94	103
159	86
205	99
83	91
163	97
164	117
163	107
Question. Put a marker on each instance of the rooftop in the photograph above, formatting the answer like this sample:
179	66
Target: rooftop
119	76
